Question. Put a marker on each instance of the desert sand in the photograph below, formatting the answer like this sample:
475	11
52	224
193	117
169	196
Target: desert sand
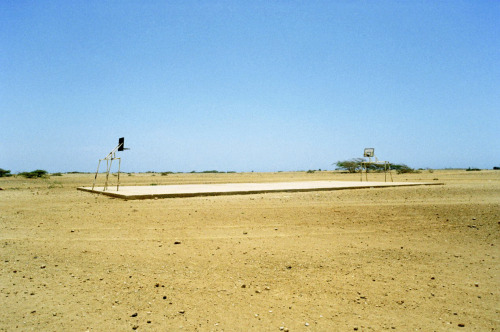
403	258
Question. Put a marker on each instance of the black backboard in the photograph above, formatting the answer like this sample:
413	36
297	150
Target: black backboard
121	144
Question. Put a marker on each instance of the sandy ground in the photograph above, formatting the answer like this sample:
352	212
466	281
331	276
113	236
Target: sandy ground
409	258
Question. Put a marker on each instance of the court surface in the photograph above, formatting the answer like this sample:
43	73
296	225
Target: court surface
192	190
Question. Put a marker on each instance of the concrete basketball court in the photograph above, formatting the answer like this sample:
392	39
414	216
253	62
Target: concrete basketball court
192	190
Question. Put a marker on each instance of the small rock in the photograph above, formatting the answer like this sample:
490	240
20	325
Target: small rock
461	324
243	286
134	315
177	242
164	297
306	324
267	288
182	311
42	267
245	233
135	327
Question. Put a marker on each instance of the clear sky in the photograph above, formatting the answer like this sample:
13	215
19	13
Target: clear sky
248	85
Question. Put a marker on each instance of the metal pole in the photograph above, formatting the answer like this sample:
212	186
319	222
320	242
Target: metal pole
119	163
385	171
108	167
95	178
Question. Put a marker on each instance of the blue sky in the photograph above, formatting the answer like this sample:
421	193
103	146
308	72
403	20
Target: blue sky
248	85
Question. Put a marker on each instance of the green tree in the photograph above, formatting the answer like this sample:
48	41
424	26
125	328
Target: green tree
4	173
352	166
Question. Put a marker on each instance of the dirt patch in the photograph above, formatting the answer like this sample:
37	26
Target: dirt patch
369	259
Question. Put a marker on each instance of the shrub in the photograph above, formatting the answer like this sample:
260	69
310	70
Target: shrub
56	174
38	173
310	171
402	169
376	167
472	169
4	173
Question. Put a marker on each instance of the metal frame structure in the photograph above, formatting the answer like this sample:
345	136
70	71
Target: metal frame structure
370	153
109	161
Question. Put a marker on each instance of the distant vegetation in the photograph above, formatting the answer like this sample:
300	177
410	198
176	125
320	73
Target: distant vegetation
38	173
354	166
213	172
472	169
4	173
400	169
